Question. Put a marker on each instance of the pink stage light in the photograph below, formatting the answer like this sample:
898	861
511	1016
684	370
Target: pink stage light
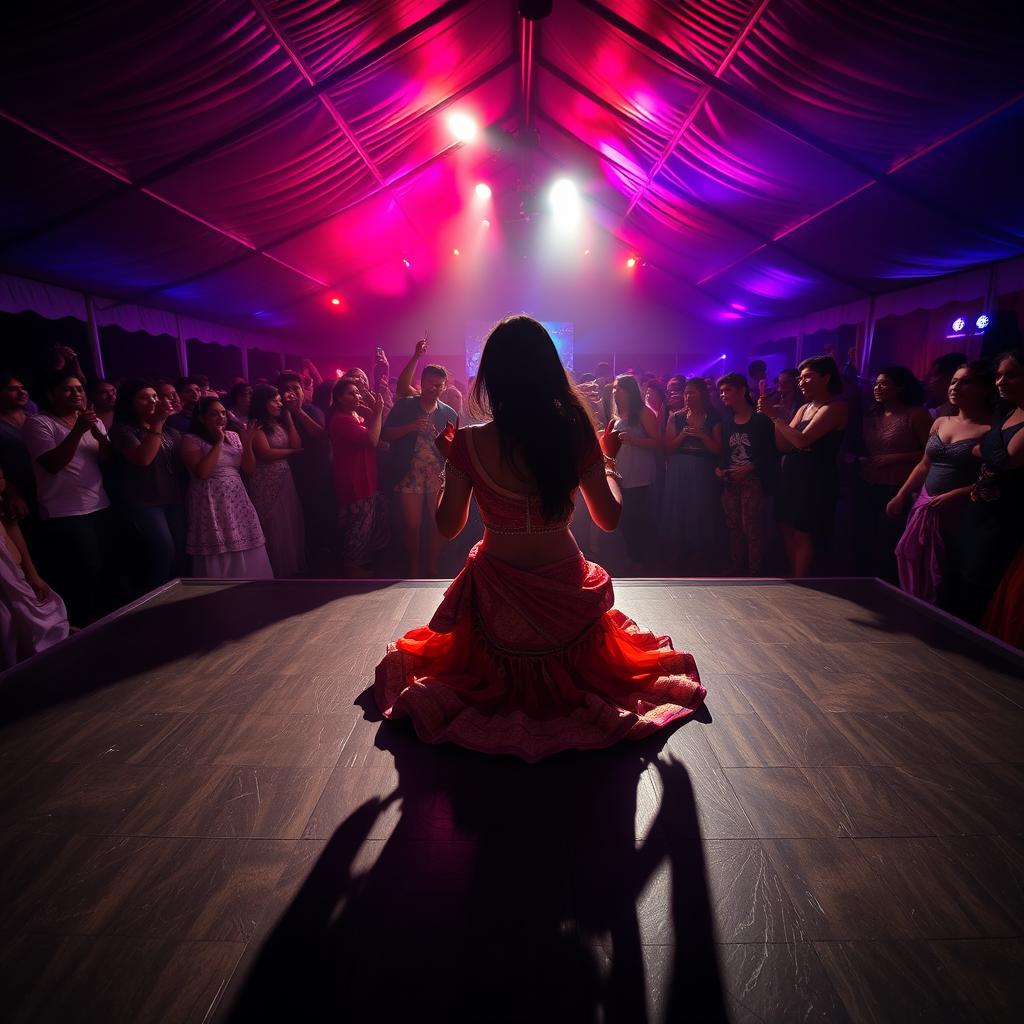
335	301
631	262
485	223
483	191
455	252
406	263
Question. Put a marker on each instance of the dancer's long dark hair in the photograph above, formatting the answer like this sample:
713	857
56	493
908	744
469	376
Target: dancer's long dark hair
537	410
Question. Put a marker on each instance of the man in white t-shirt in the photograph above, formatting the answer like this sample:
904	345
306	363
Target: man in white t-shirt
67	444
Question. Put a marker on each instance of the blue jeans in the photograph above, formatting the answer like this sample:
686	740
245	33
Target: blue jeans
162	529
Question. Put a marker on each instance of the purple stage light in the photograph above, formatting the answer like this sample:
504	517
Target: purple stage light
982	322
959	324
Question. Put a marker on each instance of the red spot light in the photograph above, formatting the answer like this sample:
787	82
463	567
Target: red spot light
455	252
631	262
339	374
335	302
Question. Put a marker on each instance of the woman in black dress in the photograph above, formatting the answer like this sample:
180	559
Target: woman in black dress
809	485
994	532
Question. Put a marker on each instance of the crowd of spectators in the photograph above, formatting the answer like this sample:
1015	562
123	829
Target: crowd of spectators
111	488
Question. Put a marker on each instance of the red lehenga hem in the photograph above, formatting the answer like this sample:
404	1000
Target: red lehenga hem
531	663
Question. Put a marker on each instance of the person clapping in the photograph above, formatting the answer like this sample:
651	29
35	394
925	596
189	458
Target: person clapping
68	443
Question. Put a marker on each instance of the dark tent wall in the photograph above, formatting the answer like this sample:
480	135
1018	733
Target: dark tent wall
26	337
138	354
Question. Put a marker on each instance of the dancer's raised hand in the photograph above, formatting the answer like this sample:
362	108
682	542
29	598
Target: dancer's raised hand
611	440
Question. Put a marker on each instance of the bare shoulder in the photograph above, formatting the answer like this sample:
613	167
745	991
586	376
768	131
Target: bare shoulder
837	411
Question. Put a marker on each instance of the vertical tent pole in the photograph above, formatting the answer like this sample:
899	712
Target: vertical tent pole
94	336
182	349
869	338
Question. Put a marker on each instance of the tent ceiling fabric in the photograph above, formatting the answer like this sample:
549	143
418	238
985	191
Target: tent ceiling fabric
241	160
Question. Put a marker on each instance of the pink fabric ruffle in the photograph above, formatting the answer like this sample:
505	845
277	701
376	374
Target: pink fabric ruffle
531	663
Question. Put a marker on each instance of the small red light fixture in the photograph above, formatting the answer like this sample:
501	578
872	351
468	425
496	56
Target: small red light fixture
335	301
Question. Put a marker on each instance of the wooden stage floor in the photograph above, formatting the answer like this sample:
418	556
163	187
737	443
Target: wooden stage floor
203	818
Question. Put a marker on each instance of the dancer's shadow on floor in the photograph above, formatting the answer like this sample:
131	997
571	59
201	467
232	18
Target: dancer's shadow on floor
506	892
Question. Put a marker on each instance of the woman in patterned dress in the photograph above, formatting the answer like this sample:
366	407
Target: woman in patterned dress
224	535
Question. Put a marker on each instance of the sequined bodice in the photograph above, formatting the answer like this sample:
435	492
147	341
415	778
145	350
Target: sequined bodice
501	510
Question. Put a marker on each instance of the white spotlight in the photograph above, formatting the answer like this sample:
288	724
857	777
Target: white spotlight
462	126
565	202
483	191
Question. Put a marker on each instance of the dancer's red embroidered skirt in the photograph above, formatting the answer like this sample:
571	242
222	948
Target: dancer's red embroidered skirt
532	662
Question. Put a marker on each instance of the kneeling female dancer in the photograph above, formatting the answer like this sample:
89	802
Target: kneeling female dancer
526	655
